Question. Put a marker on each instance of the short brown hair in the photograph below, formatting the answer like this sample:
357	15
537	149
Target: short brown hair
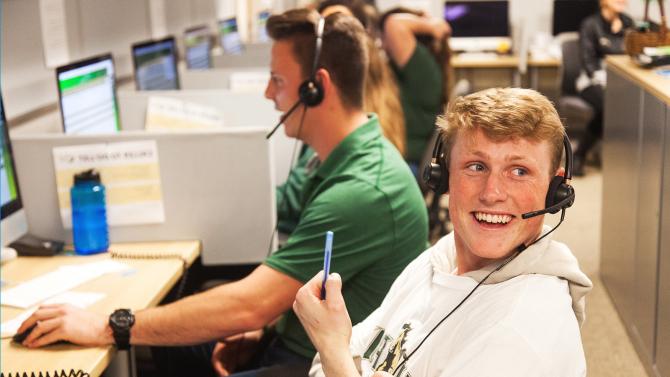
343	49
504	114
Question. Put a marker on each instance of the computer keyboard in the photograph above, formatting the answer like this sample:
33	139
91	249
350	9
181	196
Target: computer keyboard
478	56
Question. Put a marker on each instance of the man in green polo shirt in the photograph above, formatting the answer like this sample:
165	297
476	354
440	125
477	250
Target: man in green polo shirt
359	187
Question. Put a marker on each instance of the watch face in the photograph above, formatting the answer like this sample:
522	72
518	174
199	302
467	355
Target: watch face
123	318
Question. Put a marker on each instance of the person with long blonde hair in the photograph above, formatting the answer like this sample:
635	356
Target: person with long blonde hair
381	90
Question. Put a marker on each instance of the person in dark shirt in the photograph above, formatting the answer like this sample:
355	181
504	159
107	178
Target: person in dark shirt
599	35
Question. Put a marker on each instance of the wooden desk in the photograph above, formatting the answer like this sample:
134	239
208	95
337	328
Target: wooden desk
144	286
509	62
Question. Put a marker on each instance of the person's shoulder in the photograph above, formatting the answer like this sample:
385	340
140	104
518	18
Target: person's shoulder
590	22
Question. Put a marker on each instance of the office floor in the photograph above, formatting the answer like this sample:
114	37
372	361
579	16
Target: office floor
609	351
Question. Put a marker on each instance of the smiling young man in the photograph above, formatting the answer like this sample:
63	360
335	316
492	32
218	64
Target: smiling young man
360	188
502	148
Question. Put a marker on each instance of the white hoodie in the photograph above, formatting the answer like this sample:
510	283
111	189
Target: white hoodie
523	321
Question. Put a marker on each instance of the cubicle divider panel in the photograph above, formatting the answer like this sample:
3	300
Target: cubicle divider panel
662	355
620	190
254	55
217	186
239	110
218	78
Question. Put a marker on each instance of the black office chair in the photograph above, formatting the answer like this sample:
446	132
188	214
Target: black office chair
575	112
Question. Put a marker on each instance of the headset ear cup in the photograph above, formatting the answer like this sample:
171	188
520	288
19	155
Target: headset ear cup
436	177
311	93
551	198
558	192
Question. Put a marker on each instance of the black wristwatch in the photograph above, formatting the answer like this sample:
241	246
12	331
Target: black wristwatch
121	321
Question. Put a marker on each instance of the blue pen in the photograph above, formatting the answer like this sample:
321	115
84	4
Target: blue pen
326	262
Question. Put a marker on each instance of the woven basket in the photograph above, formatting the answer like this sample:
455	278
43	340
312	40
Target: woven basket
635	41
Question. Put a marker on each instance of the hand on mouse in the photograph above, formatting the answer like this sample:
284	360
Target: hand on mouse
55	323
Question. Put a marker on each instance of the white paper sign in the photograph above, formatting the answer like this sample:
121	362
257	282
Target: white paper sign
165	113
130	173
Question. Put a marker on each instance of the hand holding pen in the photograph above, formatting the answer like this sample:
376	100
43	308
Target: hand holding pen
324	316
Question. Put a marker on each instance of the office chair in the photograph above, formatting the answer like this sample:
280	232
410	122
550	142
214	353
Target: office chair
575	112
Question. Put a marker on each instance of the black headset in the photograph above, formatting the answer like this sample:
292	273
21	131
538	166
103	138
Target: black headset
310	91
560	195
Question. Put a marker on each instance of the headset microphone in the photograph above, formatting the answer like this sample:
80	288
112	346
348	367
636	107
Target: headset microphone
565	203
283	118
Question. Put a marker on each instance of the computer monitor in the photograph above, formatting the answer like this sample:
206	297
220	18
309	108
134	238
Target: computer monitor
569	14
230	36
155	64
87	96
198	43
14	224
478	25
261	23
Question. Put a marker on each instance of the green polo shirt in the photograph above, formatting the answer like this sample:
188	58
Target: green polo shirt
420	83
365	193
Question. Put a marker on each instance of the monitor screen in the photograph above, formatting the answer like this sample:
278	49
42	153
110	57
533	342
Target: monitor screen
198	44
13	224
230	36
477	18
87	92
9	186
262	22
155	65
569	14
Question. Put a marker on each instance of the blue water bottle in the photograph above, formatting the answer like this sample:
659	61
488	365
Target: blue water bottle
89	215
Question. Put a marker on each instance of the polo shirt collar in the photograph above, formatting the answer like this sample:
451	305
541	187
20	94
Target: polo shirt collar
368	131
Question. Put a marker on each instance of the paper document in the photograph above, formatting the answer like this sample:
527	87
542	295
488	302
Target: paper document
130	173
78	299
50	284
165	113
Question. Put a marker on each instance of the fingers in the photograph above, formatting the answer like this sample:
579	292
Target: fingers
217	362
45	332
41	314
334	297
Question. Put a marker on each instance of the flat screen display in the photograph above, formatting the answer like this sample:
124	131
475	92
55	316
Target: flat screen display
9	186
156	65
477	18
261	23
230	36
198	44
569	14
87	93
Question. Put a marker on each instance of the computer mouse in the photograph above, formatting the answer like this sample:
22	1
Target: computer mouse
19	337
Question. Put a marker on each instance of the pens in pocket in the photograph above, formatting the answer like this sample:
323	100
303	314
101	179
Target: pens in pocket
328	249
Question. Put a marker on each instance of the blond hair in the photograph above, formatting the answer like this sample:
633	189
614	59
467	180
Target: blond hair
383	97
504	114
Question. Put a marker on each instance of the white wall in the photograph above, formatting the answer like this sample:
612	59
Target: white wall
93	27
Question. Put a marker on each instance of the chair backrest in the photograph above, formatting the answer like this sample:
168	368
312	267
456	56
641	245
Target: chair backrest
571	66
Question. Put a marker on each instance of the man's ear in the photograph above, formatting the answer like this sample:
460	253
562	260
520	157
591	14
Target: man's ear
323	78
560	171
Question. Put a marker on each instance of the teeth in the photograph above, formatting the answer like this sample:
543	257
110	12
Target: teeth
494	219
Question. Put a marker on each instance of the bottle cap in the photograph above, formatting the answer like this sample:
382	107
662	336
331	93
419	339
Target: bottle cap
90	175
